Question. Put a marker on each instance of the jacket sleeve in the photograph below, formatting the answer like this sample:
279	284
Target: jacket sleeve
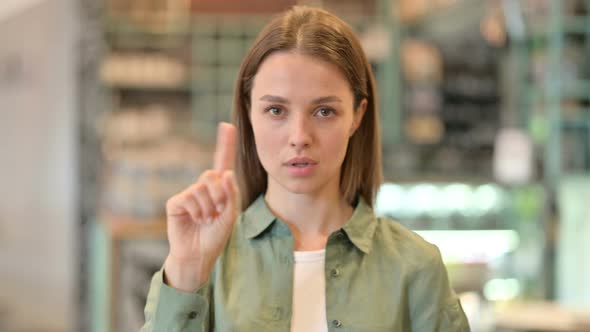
170	310
434	307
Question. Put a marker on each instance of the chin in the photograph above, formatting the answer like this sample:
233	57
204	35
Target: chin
300	187
309	185
302	190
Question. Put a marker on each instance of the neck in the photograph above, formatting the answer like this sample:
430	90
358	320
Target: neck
311	217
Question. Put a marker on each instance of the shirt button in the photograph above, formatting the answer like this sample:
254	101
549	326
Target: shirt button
335	273
277	313
336	323
193	315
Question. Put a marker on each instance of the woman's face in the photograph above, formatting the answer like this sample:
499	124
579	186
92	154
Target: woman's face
303	116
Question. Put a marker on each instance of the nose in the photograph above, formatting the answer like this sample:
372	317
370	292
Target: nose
300	132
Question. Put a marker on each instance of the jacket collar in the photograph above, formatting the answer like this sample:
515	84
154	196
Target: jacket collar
360	228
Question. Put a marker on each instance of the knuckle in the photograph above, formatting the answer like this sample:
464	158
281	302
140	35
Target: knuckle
209	175
215	189
199	188
171	202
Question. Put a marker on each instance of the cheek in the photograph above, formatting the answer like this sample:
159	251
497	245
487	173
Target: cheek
337	145
266	142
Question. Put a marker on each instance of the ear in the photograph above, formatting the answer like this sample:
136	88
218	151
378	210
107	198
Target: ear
358	116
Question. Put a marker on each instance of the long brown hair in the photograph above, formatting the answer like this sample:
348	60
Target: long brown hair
314	32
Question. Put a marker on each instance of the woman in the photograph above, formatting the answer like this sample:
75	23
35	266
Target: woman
307	254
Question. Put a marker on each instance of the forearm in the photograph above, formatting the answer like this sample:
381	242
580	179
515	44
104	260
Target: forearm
168	309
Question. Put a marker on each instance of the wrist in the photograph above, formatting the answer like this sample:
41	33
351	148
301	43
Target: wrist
185	276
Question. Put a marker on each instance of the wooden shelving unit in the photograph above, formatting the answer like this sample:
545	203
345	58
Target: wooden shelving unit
120	228
108	236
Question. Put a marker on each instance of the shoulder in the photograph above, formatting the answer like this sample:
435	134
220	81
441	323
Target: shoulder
394	239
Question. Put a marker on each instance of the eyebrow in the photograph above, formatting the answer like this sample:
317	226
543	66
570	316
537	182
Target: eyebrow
320	100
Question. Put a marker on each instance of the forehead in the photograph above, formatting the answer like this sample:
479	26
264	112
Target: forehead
292	74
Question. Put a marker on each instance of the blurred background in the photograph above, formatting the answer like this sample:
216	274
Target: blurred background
108	107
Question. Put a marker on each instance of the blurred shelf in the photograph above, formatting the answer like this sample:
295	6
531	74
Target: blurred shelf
579	89
131	228
123	25
571	25
576	124
447	21
127	35
147	42
186	87
577	24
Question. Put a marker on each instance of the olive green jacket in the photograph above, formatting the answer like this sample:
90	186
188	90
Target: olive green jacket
379	277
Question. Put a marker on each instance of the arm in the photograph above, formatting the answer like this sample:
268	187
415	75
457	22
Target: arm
434	307
199	222
170	310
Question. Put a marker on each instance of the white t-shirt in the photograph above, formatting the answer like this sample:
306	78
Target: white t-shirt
309	292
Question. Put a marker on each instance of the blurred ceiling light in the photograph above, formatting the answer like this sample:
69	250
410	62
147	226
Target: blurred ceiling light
457	197
501	289
390	200
487	199
472	246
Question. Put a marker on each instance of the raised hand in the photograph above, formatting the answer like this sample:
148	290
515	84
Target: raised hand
201	217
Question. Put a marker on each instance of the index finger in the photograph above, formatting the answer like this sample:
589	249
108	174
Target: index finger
225	150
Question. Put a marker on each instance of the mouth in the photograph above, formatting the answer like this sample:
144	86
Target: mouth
301	165
301	162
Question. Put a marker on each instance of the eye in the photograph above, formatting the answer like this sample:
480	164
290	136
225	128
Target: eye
325	112
275	111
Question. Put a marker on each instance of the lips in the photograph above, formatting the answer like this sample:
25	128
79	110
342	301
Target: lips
301	167
301	162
